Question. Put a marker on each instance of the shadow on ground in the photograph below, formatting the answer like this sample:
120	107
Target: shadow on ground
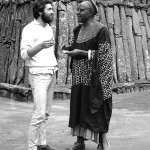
129	127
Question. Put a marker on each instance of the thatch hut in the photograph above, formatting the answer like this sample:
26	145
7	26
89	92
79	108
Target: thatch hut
128	23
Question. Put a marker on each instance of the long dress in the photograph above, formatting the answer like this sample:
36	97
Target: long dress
82	121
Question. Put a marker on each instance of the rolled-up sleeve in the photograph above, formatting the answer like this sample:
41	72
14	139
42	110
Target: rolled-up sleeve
27	41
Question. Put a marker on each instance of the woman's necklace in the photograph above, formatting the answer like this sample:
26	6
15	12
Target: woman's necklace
85	32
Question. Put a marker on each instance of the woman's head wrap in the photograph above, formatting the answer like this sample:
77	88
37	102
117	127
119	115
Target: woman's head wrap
93	6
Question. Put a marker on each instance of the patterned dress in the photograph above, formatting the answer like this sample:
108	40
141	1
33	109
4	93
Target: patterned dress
82	121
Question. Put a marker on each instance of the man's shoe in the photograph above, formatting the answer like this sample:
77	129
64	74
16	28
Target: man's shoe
46	147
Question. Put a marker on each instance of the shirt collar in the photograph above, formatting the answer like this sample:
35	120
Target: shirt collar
37	23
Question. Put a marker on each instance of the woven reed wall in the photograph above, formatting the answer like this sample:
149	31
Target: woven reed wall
128	24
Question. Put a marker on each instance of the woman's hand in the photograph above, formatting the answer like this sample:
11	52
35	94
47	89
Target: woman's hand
75	52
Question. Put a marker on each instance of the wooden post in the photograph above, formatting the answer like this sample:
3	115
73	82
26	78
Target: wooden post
125	42
110	22
138	43
132	50
62	39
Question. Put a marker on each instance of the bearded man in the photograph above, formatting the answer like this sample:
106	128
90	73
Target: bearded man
92	78
37	49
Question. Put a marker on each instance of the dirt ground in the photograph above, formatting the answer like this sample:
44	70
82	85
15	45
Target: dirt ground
129	126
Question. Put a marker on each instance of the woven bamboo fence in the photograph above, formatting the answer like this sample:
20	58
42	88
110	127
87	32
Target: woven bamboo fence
128	23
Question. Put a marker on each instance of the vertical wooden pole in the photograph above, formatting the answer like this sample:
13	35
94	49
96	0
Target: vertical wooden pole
110	22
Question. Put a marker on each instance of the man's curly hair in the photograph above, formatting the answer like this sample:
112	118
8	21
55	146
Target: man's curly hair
39	6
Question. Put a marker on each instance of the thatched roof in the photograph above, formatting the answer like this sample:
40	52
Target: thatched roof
131	3
14	1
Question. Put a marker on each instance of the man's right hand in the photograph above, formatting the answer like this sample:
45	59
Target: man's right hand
47	43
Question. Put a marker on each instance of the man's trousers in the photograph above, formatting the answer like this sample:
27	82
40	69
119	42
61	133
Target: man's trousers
42	89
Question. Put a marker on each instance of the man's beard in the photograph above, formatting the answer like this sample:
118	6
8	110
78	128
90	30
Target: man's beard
46	19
